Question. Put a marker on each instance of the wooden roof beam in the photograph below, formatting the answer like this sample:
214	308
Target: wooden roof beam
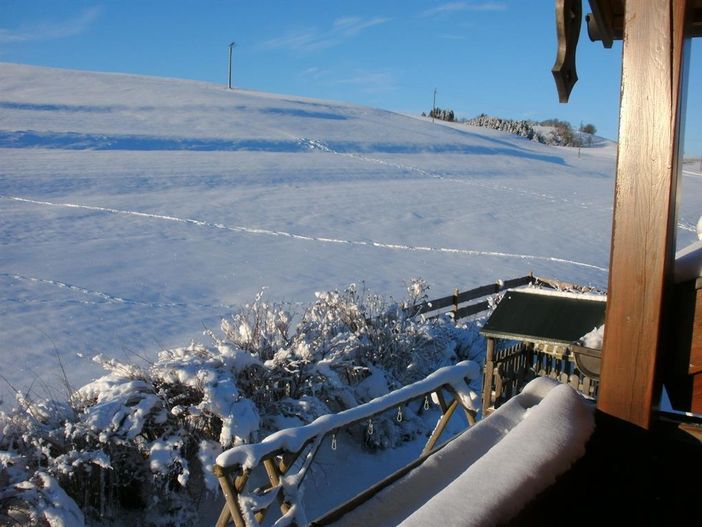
606	21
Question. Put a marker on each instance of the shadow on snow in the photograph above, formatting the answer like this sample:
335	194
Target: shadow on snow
82	141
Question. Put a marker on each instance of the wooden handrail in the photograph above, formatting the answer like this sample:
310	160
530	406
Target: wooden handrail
234	466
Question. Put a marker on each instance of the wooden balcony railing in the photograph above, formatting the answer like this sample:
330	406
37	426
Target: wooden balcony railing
286	455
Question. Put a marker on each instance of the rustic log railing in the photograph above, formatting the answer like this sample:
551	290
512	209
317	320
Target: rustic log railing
286	455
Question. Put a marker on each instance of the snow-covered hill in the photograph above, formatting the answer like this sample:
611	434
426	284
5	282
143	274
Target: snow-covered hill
134	210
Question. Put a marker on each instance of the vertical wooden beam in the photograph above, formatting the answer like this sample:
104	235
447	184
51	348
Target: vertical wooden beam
695	361
643	233
696	403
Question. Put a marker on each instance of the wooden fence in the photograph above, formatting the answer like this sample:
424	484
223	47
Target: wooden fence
458	304
286	455
563	370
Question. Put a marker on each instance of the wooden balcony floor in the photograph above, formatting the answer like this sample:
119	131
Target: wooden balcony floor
628	476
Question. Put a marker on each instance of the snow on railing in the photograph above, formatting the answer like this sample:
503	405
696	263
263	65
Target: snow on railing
287	454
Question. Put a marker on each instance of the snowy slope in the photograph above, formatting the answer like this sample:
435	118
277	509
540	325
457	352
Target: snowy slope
134	210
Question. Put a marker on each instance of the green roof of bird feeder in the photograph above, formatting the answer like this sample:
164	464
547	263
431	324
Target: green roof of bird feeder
546	316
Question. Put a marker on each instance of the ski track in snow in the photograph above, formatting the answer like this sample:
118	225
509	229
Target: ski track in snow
319	239
319	145
105	296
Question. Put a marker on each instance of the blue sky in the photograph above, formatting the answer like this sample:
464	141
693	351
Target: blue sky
482	56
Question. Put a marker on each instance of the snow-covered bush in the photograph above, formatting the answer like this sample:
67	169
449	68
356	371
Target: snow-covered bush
347	348
145	438
443	114
550	131
521	128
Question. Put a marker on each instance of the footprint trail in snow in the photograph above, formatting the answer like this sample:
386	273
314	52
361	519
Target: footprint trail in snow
319	239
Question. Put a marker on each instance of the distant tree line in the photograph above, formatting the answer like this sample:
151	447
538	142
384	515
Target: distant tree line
560	132
444	115
584	128
565	135
521	128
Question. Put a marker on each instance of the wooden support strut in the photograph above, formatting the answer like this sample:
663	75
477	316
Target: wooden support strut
442	401
274	477
231	508
440	426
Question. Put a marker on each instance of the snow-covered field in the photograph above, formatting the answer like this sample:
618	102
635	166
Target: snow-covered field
135	210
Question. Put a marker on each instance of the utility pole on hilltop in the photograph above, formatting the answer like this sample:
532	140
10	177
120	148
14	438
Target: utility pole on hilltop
232	45
433	107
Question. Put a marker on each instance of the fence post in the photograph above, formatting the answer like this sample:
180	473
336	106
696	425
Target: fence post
455	305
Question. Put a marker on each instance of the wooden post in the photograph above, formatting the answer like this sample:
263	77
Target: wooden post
232	45
643	233
455	305
488	373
